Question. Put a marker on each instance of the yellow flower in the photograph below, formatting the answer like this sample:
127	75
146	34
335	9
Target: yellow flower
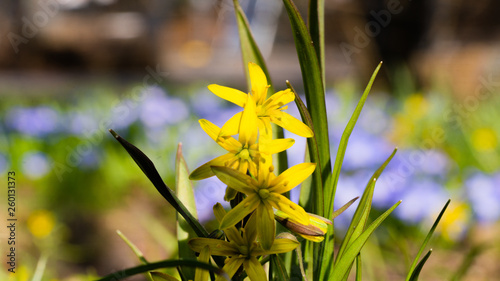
41	223
264	193
243	154
484	139
314	230
241	250
267	110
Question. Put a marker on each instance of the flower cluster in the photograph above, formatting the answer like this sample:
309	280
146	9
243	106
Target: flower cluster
247	169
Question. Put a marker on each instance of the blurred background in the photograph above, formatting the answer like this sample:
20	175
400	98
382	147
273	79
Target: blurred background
71	69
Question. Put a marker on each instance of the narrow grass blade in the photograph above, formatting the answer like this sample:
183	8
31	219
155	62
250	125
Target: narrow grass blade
346	260
133	247
150	171
278	270
185	193
358	222
160	276
330	194
358	268
316	21
122	274
364	205
343	208
426	240
317	183
315	97
420	265
249	50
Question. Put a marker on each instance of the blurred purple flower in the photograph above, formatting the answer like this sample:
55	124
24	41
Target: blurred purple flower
424	199
436	163
365	151
207	193
81	123
35	164
36	121
484	195
207	105
124	114
158	110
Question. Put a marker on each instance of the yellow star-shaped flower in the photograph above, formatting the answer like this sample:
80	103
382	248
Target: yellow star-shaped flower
264	194
241	249
268	110
243	154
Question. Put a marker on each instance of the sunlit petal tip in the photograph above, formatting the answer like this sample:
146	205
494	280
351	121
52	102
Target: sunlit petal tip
233	95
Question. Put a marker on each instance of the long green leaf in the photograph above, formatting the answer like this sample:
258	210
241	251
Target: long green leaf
363	207
347	259
330	194
359	275
420	265
160	276
150	171
122	274
426	240
249	50
185	193
308	187
315	97
277	270
317	31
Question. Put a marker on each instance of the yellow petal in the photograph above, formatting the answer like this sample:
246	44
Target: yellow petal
280	99
316	239
205	170
241	210
291	177
293	210
250	229
228	143
217	247
292	124
231	267
232	126
210	128
279	246
314	230
254	269
259	82
235	179
231	232
235	96
266	228
248	129
275	146
202	274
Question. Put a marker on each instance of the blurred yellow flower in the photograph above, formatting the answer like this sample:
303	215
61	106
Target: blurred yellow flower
484	139
416	105
41	223
454	221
